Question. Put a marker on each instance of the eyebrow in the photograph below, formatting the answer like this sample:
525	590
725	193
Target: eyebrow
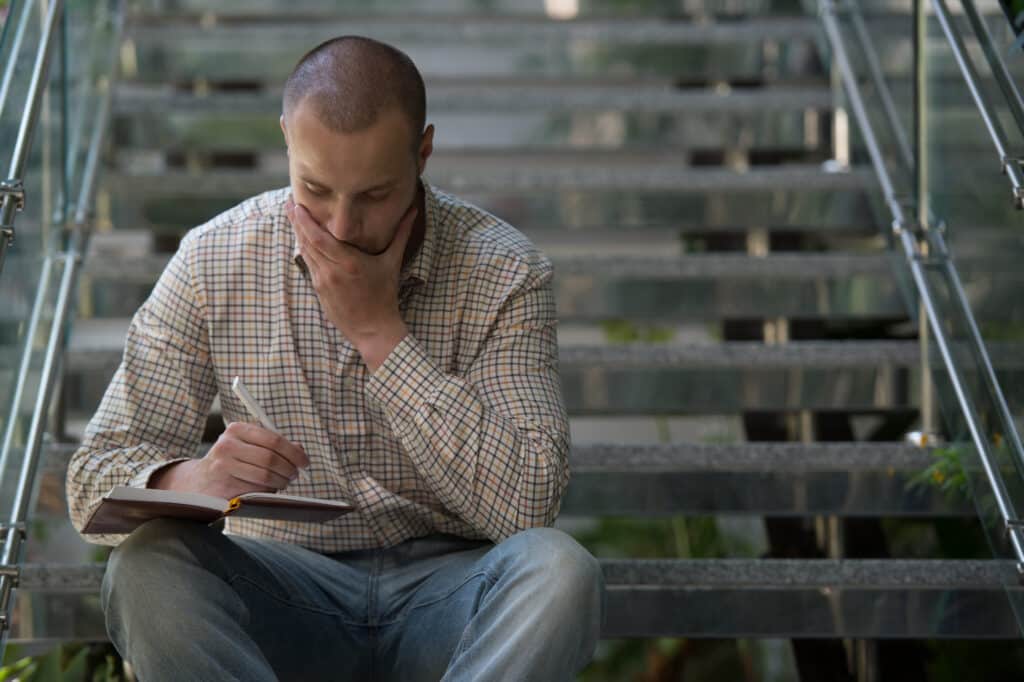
321	185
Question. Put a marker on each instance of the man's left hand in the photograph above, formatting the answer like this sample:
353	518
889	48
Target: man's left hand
358	291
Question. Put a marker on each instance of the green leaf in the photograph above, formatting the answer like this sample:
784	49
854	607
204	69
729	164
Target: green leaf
49	667
76	668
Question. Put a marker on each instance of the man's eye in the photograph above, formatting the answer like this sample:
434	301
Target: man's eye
377	197
314	191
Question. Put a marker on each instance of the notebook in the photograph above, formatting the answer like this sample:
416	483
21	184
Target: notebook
124	508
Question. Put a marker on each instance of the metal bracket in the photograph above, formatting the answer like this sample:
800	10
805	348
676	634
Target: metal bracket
1018	192
909	209
20	527
1007	160
12	187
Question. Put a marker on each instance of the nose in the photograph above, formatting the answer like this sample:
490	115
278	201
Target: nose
343	223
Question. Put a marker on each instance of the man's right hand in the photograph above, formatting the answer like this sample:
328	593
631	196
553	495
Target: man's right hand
246	458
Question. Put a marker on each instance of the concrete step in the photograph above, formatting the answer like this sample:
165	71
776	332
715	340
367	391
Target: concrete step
516	171
97	344
764	121
856	479
647	379
877	599
536	192
669	378
233	10
467	96
495	47
592	286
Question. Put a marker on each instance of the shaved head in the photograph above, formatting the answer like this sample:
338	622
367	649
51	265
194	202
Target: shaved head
349	81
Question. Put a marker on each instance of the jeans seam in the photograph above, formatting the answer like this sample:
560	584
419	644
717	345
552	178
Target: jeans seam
289	602
405	612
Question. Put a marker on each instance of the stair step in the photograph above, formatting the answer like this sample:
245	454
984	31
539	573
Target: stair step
653	379
856	479
668	378
853	598
97	343
144	203
476	97
260	35
603	262
595	286
785	122
155	10
525	172
453	46
882	574
543	193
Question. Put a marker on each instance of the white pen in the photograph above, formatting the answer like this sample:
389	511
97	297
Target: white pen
239	389
250	404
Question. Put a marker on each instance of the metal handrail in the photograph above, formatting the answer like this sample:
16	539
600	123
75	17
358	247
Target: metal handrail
1011	165
905	229
12	196
81	229
875	68
12	63
897	205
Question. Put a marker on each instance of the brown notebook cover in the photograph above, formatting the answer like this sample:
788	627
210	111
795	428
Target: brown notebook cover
124	508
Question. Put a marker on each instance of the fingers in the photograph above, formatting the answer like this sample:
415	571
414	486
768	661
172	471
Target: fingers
255	457
253	475
254	434
316	243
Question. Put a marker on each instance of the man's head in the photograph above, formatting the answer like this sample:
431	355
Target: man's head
353	121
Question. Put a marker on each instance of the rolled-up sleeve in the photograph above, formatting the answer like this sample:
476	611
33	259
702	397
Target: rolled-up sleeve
492	442
155	408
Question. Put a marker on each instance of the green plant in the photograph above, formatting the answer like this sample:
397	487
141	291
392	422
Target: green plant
946	473
64	663
625	331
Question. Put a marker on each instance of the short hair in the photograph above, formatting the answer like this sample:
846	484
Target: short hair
351	80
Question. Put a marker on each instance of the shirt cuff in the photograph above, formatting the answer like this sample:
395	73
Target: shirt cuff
407	380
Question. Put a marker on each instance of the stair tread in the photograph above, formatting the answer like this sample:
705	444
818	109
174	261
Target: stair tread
757	574
626	458
475	96
106	336
467	29
459	172
146	268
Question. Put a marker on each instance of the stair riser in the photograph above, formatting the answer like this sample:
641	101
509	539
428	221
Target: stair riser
803	136
682	52
600	391
584	300
696	611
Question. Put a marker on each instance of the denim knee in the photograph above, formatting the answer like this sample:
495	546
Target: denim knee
561	570
141	560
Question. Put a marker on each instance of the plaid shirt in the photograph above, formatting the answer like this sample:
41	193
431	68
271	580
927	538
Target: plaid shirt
461	430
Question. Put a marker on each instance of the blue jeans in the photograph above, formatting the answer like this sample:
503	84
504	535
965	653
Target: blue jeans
183	601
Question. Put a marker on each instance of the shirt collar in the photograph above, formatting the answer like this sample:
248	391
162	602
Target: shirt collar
419	268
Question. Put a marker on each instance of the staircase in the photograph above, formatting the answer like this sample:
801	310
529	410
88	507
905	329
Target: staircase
737	349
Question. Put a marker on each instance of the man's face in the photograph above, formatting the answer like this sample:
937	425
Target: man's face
357	186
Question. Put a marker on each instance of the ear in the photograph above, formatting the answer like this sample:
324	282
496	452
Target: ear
426	148
284	129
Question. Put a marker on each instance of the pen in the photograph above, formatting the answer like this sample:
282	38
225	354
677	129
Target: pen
250	404
239	389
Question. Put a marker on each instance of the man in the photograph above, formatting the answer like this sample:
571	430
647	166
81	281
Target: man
404	343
